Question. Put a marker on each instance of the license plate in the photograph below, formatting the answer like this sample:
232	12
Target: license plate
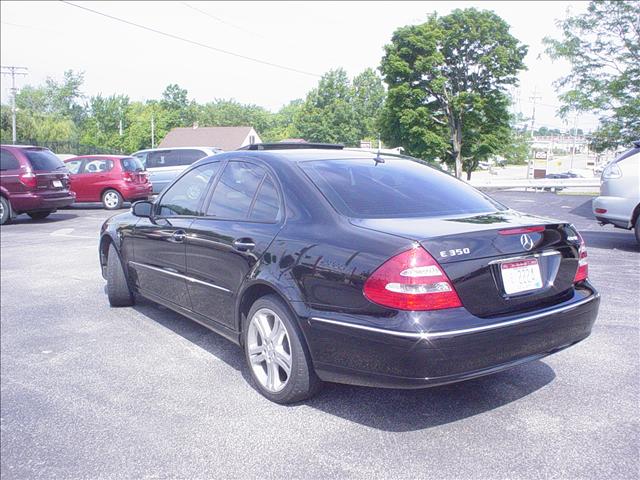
56	184
520	276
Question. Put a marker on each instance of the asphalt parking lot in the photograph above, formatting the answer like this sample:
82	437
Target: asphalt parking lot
93	392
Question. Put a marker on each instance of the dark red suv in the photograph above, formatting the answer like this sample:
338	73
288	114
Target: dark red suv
110	179
32	181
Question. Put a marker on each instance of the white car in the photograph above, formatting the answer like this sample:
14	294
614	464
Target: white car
619	200
165	164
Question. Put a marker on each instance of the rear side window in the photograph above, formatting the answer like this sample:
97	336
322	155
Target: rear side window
185	195
142	156
174	158
8	161
159	159
131	164
187	157
43	159
397	188
237	193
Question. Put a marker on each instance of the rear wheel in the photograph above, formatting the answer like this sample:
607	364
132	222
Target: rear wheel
118	290
5	210
636	229
112	200
278	360
39	215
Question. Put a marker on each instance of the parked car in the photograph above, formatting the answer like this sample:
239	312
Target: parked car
110	179
619	200
32	181
333	265
563	175
165	164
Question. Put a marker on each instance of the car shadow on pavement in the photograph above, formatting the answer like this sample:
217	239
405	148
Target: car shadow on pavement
53	218
384	409
611	239
583	210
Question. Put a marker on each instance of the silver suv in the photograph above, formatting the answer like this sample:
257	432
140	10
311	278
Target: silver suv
619	200
165	164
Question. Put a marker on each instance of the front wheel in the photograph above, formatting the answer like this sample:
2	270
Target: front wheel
636	229
118	290
112	200
39	215
278	360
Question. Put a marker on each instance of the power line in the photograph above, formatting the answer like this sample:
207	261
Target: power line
13	71
193	42
218	19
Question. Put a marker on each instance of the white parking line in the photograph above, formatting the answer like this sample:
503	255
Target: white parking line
66	232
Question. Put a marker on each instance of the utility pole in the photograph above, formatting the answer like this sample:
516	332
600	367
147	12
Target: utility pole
153	131
534	98
573	148
13	71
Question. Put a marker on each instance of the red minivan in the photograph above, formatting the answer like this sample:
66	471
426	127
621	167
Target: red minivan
32	181
110	179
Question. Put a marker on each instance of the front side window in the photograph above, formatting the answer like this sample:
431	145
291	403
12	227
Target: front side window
185	195
8	161
98	166
42	159
234	197
74	166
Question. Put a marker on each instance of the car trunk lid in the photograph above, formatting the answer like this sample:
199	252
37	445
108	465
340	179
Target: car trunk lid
490	258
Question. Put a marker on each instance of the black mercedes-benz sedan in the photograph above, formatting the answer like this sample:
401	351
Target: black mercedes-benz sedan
329	264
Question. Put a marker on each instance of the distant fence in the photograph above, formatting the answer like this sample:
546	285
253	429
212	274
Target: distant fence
71	148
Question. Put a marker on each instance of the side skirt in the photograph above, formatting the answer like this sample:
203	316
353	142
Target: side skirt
196	317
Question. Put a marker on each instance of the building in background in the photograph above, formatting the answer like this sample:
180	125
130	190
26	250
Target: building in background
226	138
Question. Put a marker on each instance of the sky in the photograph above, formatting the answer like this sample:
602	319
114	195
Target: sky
310	37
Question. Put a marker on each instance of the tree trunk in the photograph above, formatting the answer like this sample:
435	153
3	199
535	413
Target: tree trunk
456	140
469	174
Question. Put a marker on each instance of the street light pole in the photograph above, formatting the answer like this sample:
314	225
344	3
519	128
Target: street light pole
13	71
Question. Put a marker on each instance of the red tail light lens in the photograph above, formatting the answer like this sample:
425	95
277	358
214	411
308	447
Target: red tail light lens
412	280
28	179
583	266
516	231
127	176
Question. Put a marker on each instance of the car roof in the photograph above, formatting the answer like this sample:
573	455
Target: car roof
195	147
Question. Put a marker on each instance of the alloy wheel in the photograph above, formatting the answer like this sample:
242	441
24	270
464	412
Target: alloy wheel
111	199
269	350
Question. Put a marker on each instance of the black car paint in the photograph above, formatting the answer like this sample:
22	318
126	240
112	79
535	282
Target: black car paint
317	261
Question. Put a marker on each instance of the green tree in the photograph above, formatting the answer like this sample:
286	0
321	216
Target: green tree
368	100
283	123
327	114
175	101
105	124
603	47
446	87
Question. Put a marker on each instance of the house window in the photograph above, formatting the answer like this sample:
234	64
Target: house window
252	139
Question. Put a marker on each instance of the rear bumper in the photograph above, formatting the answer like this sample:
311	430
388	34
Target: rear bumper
29	201
618	210
136	191
347	349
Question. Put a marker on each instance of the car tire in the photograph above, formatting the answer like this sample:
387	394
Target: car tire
265	359
118	291
39	215
5	211
636	229
112	200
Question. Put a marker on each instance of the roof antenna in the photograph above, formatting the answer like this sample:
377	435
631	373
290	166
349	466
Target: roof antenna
378	158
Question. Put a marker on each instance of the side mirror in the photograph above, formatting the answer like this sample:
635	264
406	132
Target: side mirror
143	208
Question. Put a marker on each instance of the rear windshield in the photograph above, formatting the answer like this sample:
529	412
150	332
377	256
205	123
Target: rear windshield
43	159
131	164
397	188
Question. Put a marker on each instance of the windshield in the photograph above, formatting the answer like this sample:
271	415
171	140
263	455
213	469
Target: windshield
42	159
397	188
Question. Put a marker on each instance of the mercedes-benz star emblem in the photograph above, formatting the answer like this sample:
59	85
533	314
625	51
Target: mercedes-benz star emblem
526	242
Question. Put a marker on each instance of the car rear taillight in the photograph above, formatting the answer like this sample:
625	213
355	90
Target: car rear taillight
28	179
611	171
583	266
127	176
411	280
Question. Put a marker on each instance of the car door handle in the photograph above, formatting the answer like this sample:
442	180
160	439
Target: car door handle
178	236
244	244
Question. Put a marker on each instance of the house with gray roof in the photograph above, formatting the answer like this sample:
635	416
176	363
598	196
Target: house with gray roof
226	138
